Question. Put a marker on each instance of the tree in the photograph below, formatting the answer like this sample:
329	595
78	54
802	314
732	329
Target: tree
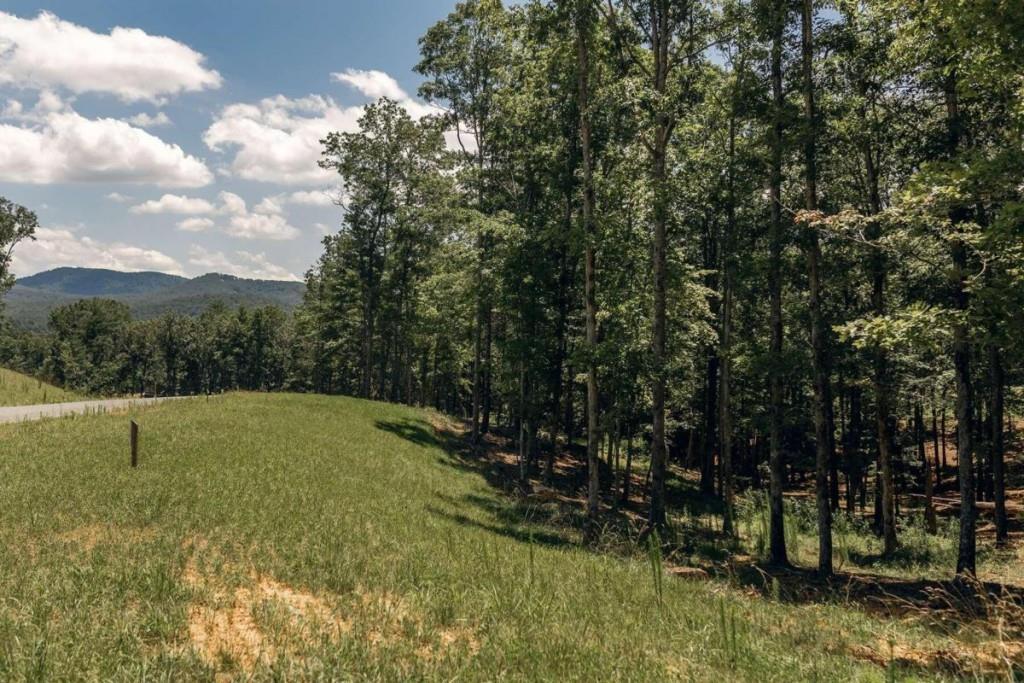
463	58
16	224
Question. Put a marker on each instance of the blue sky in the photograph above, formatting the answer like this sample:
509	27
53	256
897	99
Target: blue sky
185	140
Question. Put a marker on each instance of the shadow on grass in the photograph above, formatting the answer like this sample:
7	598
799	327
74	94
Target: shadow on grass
558	508
410	430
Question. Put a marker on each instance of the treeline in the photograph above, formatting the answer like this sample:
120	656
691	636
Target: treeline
760	237
94	347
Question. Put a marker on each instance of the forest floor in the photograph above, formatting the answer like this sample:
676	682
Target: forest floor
323	538
17	389
983	620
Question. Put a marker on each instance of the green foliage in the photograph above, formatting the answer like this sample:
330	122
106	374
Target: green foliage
16	224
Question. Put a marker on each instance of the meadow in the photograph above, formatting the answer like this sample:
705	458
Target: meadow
287	537
17	389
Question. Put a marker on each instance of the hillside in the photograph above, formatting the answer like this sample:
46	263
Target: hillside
320	538
98	281
20	390
149	295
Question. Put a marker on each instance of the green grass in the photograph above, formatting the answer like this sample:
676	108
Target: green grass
21	390
336	539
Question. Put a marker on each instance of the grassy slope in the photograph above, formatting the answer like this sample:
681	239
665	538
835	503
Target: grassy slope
20	390
417	560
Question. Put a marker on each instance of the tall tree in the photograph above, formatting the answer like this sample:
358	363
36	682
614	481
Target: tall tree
584	16
463	58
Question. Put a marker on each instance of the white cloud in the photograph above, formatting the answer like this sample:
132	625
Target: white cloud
12	110
64	146
174	203
270	205
277	203
265	221
48	52
245	264
261	226
277	140
231	203
61	246
311	198
323	228
195	224
144	120
118	197
372	83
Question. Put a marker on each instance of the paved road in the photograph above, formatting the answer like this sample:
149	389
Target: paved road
38	412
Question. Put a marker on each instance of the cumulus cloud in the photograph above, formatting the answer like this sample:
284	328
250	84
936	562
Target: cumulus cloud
60	145
311	198
243	264
270	205
277	203
174	203
62	246
119	198
261	226
265	221
372	83
195	224
48	52
144	120
277	139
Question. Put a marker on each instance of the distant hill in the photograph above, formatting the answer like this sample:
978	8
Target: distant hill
148	294
86	282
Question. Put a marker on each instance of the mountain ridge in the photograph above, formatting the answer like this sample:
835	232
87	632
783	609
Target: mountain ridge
148	294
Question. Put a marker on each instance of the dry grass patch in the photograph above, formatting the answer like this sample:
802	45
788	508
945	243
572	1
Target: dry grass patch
223	626
250	625
87	537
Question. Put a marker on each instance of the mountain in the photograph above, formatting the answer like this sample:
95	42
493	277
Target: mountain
86	282
148	294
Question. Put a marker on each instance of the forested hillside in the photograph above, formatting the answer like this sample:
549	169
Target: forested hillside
148	295
765	239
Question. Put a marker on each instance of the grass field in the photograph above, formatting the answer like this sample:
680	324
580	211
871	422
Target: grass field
302	537
21	390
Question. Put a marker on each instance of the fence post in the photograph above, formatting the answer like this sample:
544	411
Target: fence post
135	443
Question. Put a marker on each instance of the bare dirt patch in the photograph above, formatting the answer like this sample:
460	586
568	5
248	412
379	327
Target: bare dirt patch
254	623
985	659
223	627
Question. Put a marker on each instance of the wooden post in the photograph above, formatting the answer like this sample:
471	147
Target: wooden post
135	443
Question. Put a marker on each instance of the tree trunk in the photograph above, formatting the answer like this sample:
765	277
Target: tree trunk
725	351
879	383
935	443
777	533
822	392
996	415
931	524
661	39
583	37
967	548
561	327
627	477
853	454
711	384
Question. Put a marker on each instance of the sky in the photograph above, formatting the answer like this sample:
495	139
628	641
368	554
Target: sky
183	136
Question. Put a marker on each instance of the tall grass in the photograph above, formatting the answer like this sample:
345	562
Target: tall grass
355	547
21	390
